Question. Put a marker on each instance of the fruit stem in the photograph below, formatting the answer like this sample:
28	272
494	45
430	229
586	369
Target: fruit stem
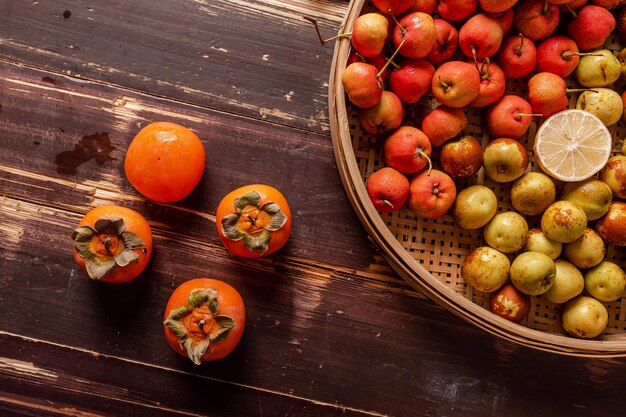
430	162
584	53
545	7
530	114
474	55
388	203
487	74
572	11
579	90
402	28
319	34
444	84
341	35
518	50
393	64
390	59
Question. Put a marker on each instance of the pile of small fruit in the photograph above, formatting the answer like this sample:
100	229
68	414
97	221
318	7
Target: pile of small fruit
459	55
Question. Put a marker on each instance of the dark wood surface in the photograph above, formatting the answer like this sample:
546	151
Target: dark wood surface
331	328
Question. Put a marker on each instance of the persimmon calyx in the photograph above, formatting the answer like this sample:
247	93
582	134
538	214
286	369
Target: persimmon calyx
253	222
106	246
197	324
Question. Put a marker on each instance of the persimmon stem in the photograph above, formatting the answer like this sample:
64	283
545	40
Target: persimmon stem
107	244
252	220
201	324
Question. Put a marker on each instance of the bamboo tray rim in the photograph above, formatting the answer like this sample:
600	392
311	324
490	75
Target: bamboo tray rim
401	260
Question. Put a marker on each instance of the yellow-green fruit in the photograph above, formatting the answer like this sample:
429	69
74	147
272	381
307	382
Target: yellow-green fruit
485	269
568	282
614	175
532	272
604	103
592	195
584	317
506	232
598	70
538	242
586	251
563	221
532	193
475	206
606	281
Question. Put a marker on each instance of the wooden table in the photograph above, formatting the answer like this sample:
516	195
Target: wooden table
331	328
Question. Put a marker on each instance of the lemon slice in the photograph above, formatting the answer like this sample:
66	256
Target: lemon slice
572	145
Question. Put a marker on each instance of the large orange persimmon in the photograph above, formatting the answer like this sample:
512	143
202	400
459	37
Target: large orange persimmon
204	319
165	161
254	220
112	244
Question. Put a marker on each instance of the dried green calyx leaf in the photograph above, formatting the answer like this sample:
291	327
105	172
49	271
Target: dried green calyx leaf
99	267
206	296
278	218
229	227
132	241
259	242
197	325
220	330
174	320
116	224
106	246
251	199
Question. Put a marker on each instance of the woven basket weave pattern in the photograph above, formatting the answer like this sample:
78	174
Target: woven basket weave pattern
437	247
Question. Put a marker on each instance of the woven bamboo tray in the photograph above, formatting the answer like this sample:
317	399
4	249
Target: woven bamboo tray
428	253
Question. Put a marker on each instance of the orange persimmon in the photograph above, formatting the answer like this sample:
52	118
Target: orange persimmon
204	319
165	161
112	244
254	220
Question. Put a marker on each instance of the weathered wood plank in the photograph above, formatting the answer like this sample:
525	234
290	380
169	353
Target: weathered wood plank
47	122
59	381
330	330
256	58
311	333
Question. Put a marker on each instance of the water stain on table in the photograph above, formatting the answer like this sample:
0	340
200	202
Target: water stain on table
97	146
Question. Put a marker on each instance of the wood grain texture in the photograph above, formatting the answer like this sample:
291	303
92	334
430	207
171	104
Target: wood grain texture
310	334
331	329
256	58
101	385
48	117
